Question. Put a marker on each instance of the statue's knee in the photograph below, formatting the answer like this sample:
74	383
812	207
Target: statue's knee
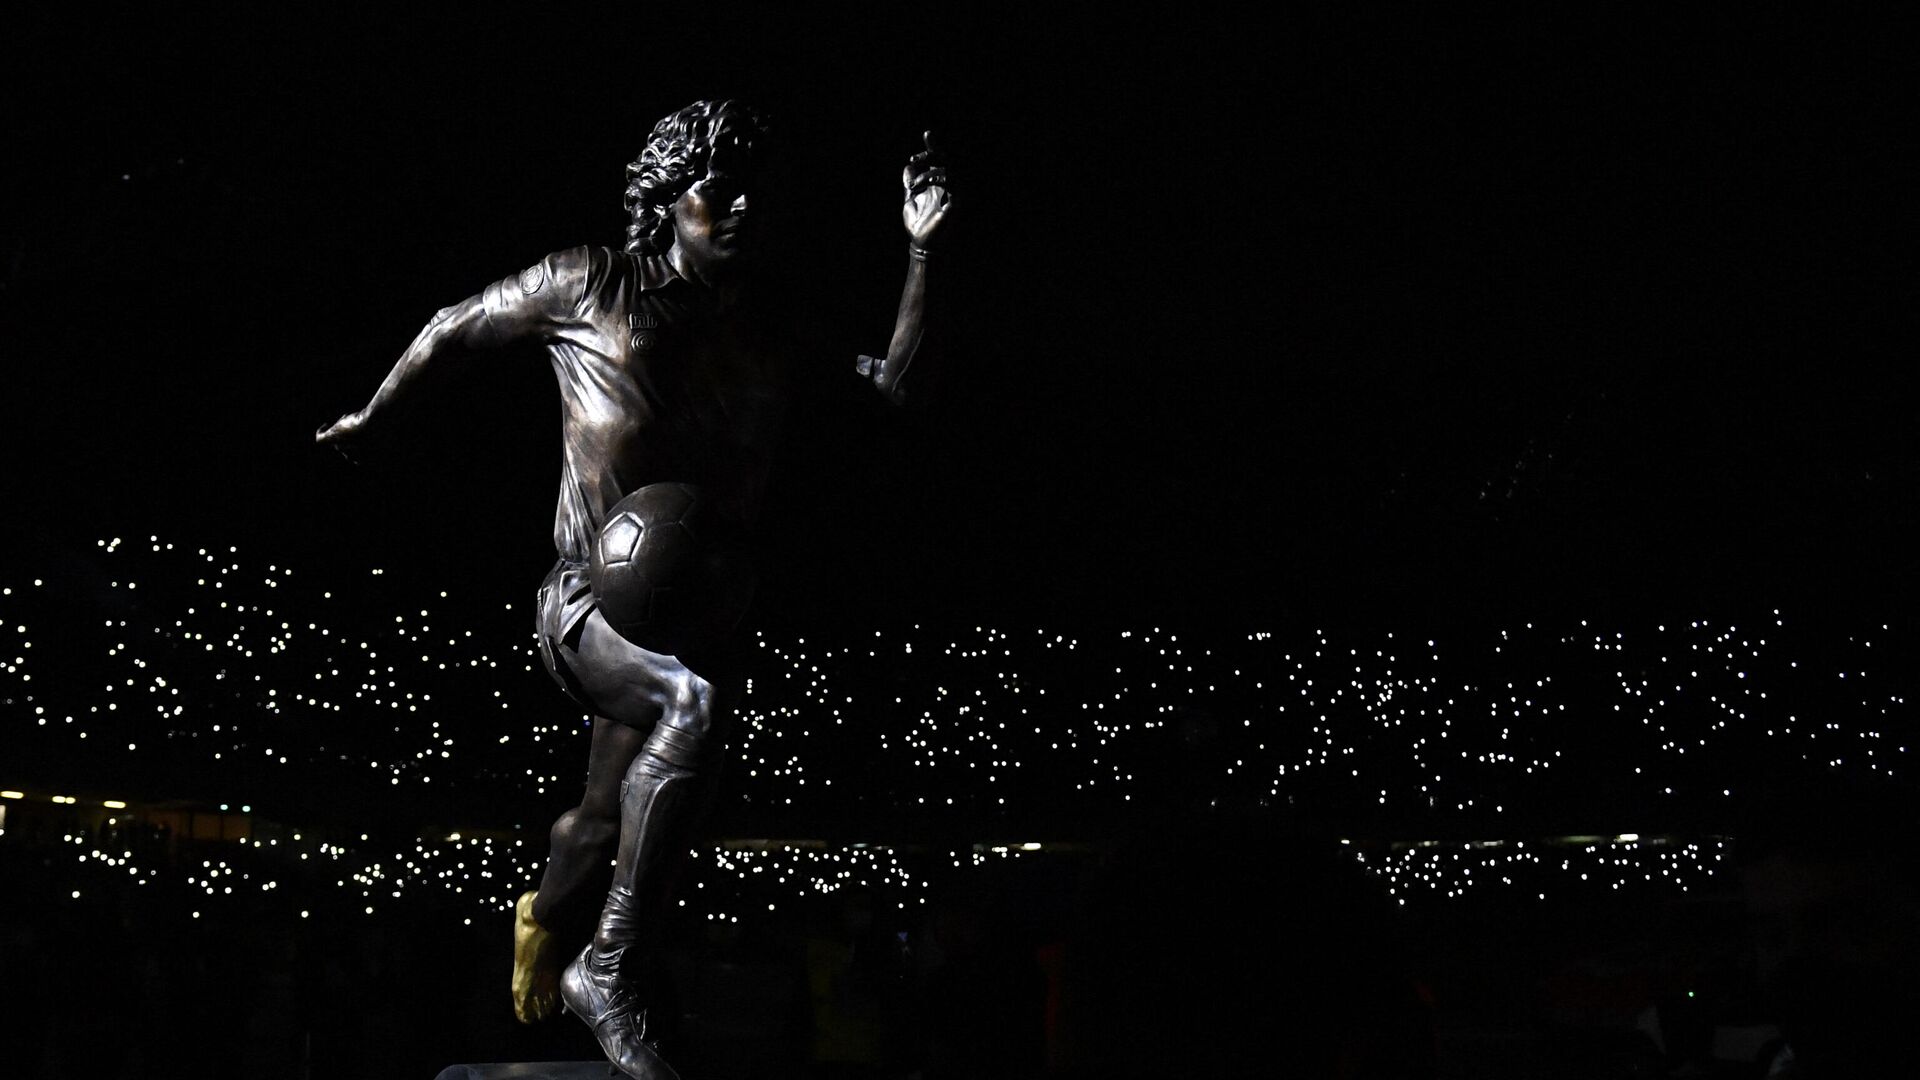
688	733
578	828
695	706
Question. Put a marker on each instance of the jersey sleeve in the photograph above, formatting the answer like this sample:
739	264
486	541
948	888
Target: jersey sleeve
541	301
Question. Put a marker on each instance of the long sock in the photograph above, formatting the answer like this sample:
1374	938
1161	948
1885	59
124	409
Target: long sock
659	801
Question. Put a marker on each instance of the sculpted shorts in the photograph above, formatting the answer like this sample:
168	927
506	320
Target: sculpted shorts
562	608
560	613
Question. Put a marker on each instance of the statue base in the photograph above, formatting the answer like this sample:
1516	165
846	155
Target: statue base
531	1070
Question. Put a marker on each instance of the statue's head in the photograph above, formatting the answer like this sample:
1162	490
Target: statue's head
709	143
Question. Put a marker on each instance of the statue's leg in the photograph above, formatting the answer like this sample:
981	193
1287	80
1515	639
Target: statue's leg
550	925
664	793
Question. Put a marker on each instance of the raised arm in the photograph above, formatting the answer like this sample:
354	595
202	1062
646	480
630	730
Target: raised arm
926	203
519	308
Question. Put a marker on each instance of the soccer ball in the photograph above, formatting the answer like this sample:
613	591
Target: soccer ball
668	571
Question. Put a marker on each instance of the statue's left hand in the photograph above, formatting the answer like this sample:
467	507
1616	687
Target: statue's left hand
927	197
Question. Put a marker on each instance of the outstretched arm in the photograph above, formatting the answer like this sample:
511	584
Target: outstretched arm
527	306
461	325
927	202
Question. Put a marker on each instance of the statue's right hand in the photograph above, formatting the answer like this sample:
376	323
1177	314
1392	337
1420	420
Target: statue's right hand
345	434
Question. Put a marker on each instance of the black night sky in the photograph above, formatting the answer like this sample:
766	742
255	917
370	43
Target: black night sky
1377	316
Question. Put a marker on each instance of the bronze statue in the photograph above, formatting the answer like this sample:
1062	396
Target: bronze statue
668	376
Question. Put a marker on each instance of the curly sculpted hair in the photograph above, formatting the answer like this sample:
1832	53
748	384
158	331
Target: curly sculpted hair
675	157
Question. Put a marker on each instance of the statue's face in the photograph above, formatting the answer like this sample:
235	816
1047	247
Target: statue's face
714	221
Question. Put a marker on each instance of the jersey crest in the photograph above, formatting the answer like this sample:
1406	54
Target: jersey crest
641	327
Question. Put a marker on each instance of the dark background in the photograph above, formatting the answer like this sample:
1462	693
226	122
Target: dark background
1335	315
1369	318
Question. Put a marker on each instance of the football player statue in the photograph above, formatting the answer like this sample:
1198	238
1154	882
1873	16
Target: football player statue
672	392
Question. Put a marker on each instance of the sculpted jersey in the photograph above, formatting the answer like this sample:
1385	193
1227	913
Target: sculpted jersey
657	382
